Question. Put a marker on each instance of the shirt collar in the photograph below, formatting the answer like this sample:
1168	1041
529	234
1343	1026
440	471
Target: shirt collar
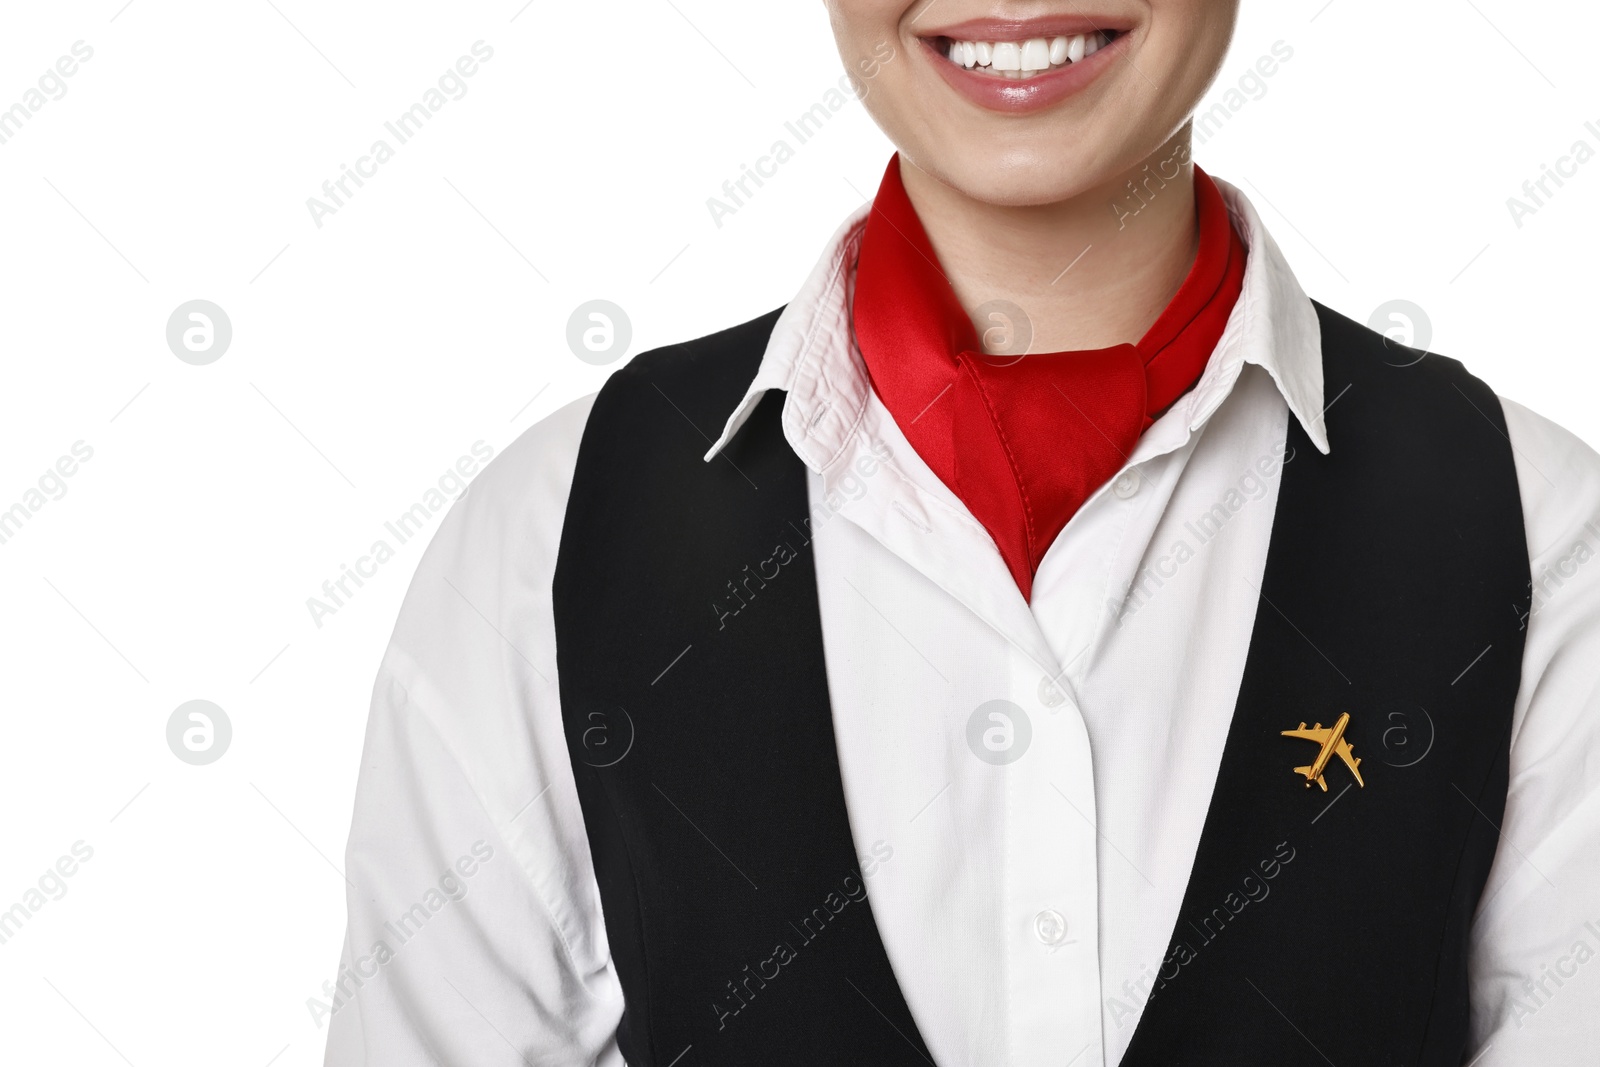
812	357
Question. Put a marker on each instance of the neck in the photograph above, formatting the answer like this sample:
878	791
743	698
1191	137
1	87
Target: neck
1090	272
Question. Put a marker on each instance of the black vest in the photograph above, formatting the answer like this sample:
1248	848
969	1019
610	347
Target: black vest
705	759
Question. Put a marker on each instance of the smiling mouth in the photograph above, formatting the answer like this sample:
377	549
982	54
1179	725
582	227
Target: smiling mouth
1020	60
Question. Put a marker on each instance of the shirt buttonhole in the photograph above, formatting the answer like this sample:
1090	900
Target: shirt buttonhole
816	419
912	519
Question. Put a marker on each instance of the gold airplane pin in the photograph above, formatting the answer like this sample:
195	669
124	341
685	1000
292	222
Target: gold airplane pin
1332	742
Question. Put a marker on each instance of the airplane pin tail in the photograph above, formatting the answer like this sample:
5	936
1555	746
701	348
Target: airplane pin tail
1310	776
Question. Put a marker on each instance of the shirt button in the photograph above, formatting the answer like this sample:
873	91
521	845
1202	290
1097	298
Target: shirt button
1050	927
1126	484
1050	694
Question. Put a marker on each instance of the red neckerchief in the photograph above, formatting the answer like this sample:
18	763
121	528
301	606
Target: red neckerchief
1025	441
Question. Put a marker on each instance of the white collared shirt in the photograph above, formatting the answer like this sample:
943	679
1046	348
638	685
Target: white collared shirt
1024	908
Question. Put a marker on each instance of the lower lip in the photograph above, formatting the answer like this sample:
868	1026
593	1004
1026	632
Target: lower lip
1024	95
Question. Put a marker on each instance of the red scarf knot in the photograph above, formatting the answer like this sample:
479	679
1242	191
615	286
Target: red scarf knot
1024	441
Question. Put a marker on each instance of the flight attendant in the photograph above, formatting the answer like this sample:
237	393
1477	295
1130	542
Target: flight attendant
1051	638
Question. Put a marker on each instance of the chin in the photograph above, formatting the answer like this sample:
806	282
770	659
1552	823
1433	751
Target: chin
1025	176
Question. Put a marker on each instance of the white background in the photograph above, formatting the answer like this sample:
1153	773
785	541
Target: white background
430	313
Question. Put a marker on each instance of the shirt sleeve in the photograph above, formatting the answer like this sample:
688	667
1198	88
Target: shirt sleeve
1535	960
474	935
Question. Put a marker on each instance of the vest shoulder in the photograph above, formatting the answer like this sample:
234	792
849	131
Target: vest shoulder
722	363
1359	352
645	405
1412	423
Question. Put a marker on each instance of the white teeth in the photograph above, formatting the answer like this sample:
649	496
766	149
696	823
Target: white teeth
1035	54
1024	59
959	51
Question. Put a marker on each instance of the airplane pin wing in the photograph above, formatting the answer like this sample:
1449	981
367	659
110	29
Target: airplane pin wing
1351	760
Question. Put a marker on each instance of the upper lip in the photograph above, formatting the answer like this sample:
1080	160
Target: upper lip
997	29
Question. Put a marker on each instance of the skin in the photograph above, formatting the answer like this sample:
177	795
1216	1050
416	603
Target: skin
1010	201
